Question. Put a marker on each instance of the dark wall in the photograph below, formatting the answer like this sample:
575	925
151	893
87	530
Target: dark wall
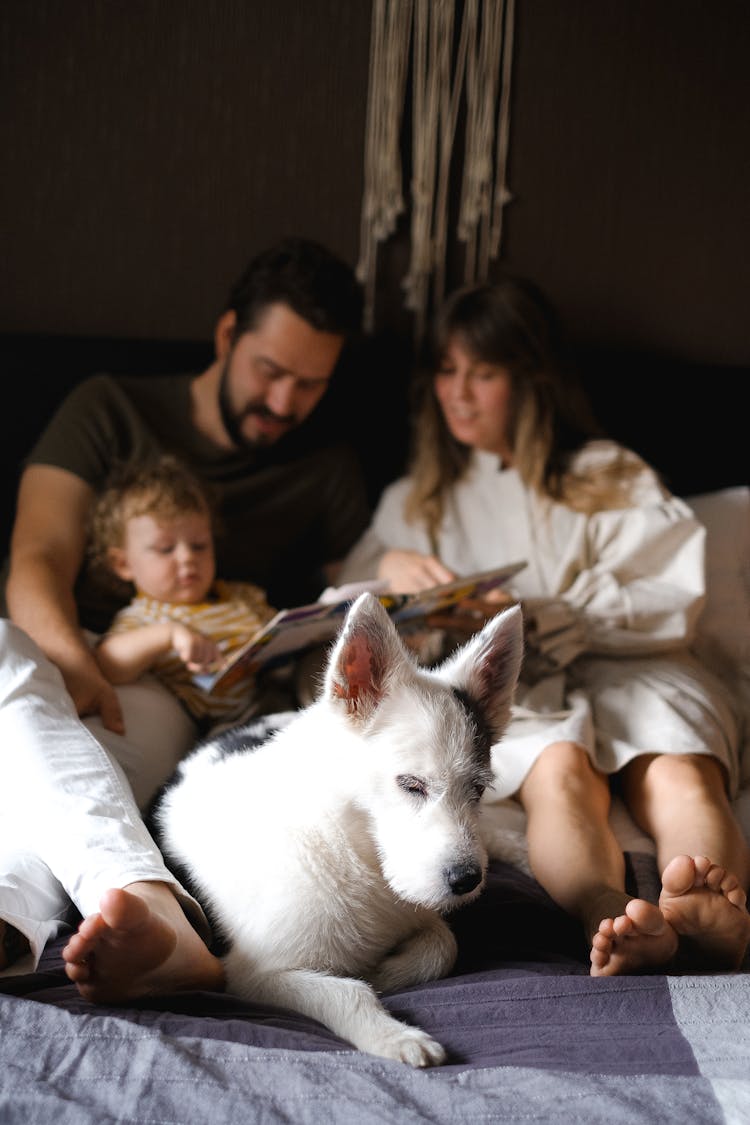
631	170
150	146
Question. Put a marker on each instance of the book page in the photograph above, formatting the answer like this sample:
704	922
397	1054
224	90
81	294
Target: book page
292	631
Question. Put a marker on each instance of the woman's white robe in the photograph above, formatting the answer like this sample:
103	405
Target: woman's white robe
611	603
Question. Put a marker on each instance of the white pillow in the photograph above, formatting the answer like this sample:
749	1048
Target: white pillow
723	635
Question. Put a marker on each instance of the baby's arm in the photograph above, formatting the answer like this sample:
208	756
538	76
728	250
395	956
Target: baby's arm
125	656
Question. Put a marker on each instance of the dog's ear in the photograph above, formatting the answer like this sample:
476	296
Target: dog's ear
366	654
487	667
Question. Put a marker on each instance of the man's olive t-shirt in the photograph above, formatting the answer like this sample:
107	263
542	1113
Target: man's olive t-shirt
284	511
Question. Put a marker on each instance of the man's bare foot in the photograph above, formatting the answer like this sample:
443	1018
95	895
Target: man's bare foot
13	944
139	944
708	909
639	940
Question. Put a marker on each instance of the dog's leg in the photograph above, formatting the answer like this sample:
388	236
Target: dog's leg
502	829
427	954
347	1007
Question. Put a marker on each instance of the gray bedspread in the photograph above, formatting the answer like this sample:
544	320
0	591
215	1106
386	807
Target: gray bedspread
531	1038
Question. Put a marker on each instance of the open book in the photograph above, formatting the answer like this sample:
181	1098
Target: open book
292	631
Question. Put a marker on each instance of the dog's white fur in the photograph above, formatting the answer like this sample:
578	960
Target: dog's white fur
330	853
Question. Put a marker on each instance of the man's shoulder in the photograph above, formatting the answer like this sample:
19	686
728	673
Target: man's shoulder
133	386
104	389
108	418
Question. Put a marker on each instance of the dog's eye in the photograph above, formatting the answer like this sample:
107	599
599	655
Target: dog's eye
411	784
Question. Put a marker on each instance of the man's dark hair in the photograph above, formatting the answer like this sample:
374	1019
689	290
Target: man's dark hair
302	274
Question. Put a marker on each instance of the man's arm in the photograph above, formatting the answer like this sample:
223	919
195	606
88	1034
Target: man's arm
46	553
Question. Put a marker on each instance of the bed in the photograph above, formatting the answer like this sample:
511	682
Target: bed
531	1037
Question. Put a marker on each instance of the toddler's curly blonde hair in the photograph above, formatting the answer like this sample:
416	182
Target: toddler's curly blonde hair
163	488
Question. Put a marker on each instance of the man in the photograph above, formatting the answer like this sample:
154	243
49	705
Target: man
290	507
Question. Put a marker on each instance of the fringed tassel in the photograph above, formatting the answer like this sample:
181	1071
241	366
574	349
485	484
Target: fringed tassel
480	71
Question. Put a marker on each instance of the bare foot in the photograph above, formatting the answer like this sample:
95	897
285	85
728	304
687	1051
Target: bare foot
708	908
139	944
639	940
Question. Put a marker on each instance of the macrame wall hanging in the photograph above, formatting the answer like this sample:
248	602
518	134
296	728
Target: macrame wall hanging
449	66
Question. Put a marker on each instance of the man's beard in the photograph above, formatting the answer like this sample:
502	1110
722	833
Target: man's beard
232	420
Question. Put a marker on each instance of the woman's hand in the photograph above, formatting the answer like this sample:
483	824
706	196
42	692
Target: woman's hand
409	572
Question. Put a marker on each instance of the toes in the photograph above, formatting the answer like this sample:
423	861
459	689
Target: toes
624	926
726	883
606	928
123	911
90	928
679	875
702	866
736	896
598	960
729	882
685	873
601	944
645	917
76	948
78	971
714	878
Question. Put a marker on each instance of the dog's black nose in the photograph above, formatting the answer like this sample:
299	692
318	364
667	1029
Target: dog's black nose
464	877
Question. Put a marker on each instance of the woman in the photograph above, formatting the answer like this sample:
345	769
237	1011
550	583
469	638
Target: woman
508	464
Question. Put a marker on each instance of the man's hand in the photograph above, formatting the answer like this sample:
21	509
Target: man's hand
92	694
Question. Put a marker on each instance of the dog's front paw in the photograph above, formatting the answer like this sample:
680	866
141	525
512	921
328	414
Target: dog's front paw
427	954
408	1045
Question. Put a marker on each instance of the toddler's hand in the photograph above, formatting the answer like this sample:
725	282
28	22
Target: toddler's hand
197	652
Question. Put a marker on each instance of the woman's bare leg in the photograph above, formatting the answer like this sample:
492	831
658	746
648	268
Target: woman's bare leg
577	859
681	801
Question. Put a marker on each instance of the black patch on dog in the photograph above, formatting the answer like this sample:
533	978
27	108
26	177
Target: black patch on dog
237	740
249	736
220	943
483	737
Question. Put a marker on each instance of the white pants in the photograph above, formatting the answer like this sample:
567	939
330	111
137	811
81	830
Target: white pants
70	826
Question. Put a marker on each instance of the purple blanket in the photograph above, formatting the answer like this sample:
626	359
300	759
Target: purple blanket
531	1037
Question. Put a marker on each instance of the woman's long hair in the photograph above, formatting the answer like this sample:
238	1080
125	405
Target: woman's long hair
510	323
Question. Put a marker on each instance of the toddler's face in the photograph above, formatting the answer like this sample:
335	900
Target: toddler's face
171	560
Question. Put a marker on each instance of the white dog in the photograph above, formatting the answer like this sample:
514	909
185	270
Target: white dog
328	854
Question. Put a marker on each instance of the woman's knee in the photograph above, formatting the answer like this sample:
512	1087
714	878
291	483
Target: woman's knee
562	766
666	776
